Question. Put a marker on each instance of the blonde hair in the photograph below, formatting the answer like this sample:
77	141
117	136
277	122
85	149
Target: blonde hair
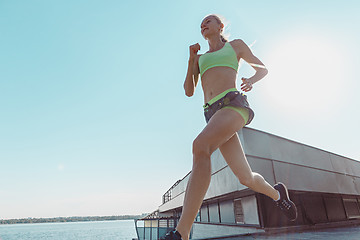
220	20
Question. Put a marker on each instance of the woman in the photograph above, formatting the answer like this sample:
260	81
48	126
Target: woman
226	111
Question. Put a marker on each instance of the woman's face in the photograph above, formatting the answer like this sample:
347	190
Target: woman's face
210	26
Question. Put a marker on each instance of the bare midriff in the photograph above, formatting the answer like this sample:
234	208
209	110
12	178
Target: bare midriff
216	80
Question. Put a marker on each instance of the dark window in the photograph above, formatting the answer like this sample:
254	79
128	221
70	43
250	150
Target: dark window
314	208
334	208
352	207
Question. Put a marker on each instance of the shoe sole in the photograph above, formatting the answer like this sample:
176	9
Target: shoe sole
293	204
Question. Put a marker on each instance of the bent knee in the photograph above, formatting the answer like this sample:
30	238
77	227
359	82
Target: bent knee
201	148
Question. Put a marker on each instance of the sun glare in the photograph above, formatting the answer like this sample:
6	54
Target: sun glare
60	167
305	72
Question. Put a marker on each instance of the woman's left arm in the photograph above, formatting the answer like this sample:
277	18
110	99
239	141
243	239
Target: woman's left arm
245	53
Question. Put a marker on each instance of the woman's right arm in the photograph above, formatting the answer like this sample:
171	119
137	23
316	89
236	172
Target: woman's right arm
192	75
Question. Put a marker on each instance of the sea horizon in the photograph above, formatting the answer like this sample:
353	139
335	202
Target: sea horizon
30	220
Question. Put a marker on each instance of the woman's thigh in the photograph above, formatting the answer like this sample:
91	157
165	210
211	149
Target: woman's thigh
234	155
221	127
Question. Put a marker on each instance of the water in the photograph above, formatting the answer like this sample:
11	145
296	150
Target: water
125	230
103	230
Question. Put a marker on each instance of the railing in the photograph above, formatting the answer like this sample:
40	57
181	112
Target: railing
154	228
167	196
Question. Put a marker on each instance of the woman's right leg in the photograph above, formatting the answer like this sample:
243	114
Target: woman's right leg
222	126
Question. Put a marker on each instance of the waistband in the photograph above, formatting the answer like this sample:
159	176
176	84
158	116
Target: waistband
214	99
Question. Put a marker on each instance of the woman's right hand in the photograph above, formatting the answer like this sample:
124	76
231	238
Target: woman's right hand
193	50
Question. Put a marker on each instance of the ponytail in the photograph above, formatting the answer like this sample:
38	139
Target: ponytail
223	39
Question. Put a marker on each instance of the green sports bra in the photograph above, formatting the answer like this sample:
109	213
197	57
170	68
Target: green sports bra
224	57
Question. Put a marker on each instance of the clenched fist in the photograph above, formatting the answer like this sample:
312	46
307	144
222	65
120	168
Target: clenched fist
193	50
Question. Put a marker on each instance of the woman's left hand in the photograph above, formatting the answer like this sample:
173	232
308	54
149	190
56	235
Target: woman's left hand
246	86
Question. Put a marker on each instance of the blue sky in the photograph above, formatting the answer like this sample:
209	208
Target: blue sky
93	116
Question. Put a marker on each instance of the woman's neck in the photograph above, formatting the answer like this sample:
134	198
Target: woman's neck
215	44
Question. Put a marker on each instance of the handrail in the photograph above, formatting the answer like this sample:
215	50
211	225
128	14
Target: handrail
167	196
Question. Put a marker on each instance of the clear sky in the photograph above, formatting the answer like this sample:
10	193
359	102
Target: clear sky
93	115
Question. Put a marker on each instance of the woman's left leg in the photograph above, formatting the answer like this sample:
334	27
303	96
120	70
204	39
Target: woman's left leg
235	157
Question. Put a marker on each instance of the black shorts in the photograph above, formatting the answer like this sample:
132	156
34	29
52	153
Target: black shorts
233	99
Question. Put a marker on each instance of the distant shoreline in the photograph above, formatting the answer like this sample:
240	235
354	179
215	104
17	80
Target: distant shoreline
70	219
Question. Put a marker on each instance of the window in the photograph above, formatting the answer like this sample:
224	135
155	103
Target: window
227	212
239	213
214	213
351	207
334	208
204	215
315	211
197	218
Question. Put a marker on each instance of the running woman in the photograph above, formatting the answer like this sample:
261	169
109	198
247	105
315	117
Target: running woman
226	112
